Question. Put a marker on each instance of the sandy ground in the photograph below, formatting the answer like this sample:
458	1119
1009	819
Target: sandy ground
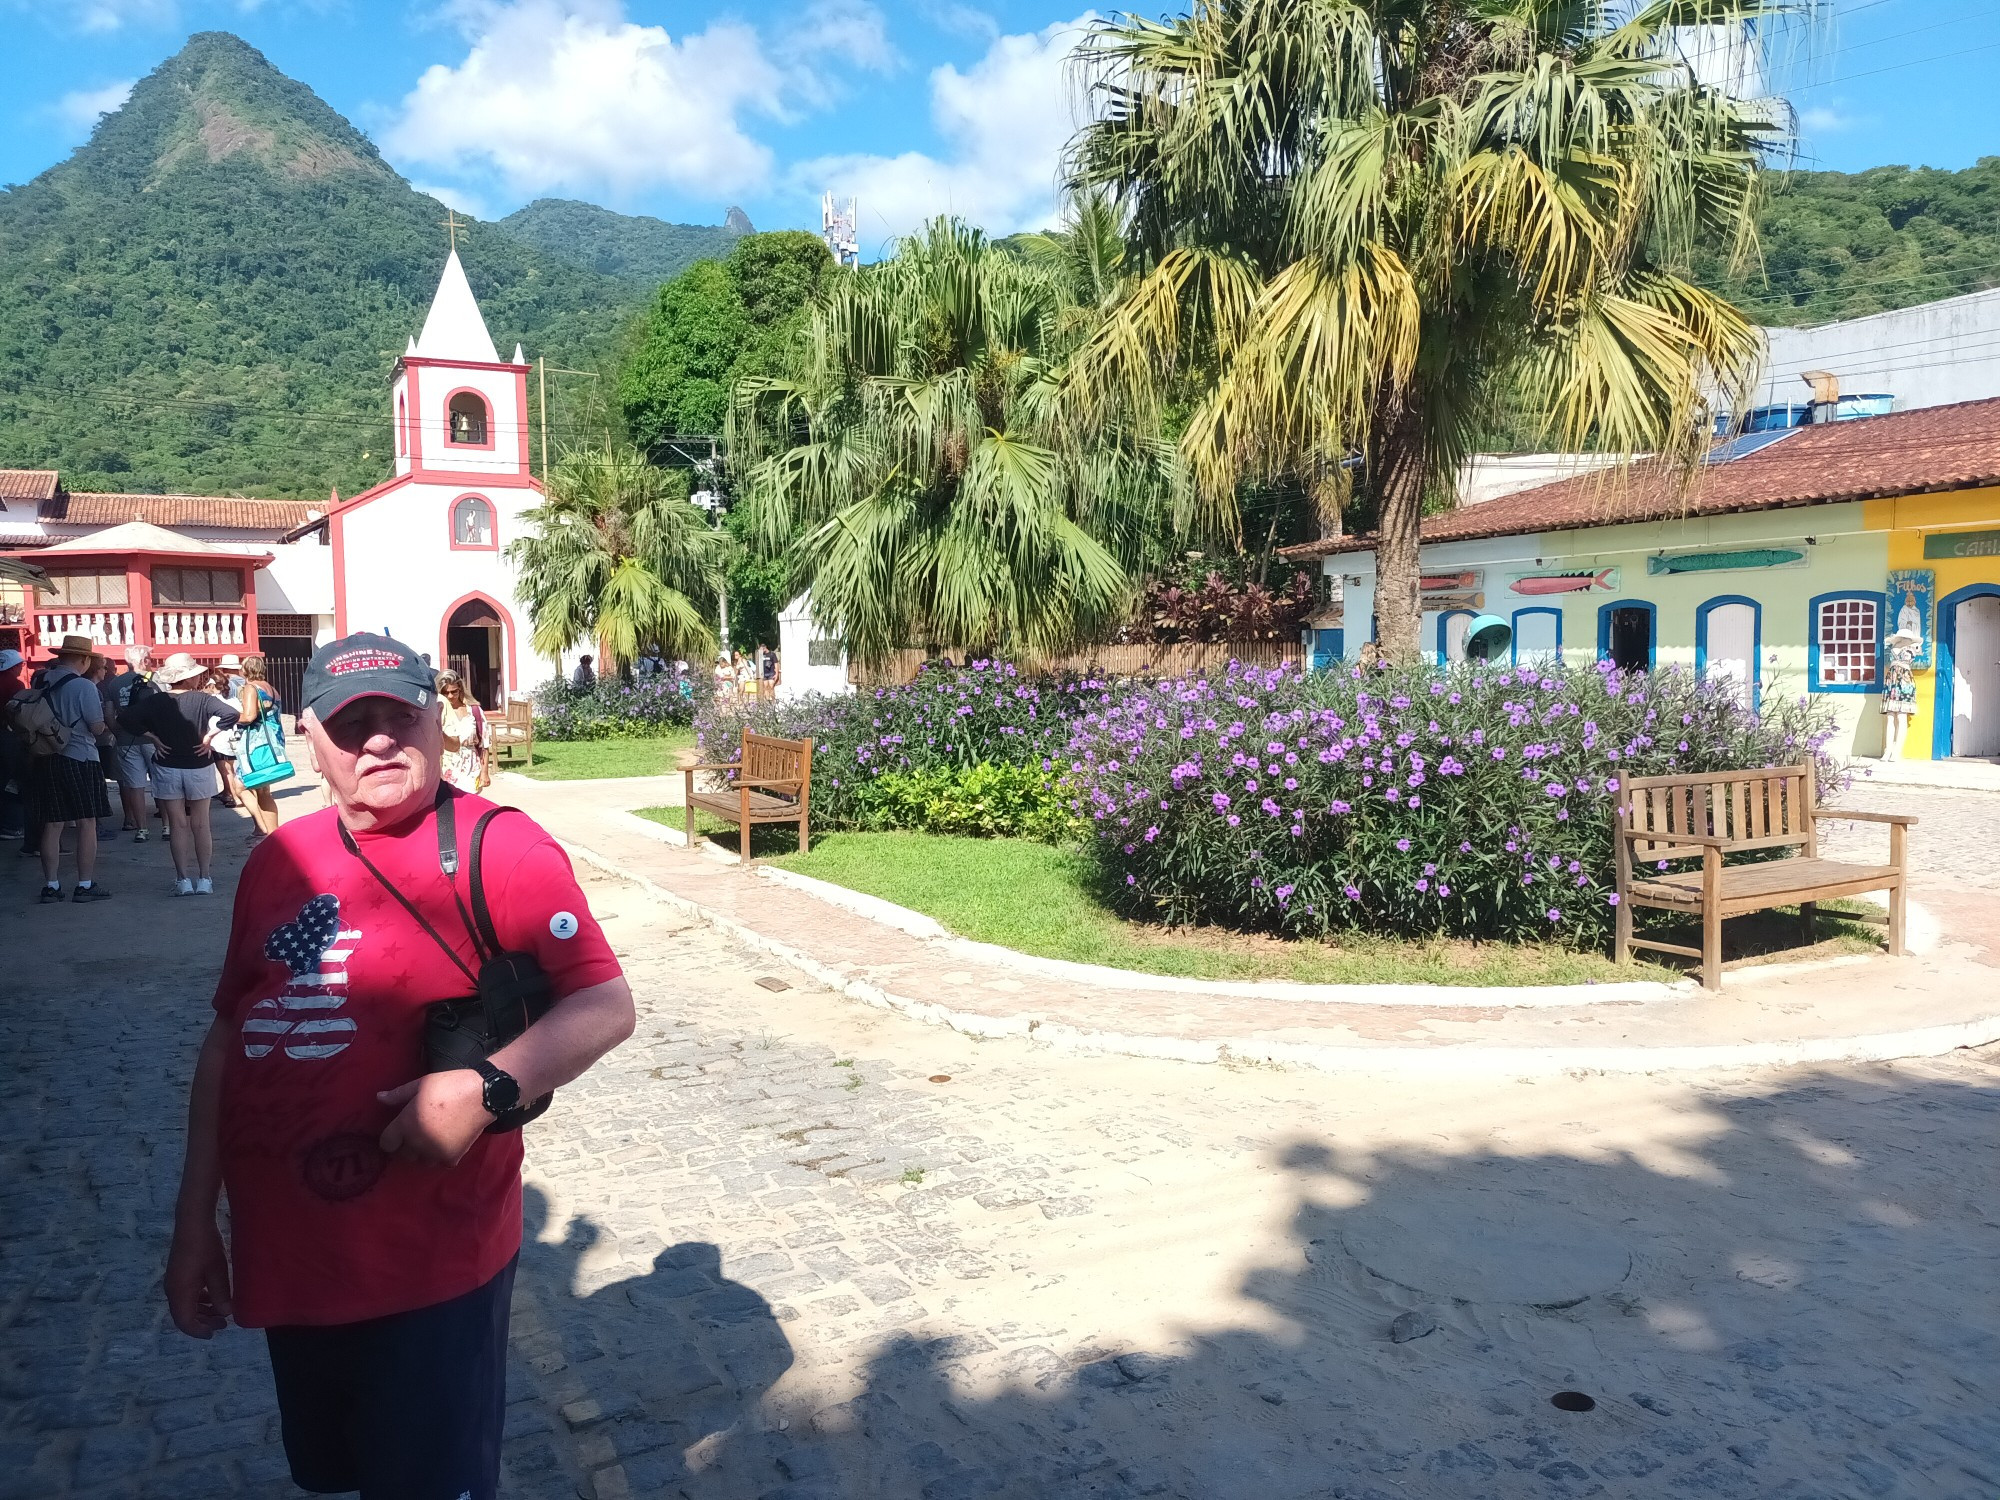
770	1257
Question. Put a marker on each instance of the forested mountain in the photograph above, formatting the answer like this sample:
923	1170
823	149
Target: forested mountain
210	294
1845	244
632	247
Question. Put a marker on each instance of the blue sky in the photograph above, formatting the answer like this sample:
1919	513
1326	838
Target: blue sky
919	106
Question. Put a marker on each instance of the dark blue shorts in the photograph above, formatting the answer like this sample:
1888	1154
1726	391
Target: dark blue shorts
407	1407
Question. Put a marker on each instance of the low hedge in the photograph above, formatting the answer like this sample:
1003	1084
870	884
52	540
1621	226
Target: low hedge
613	708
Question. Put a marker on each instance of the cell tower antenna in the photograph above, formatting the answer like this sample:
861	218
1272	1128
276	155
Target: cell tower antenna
839	227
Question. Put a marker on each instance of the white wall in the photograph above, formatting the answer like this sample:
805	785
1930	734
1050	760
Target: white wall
298	581
797	676
404	576
1931	355
1488	476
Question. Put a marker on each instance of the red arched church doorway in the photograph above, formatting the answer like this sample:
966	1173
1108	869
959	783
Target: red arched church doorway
476	648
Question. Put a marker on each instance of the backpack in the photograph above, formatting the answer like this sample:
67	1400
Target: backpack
34	721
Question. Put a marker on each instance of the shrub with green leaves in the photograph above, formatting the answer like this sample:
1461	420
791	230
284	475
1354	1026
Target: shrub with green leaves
971	726
612	708
1474	802
988	800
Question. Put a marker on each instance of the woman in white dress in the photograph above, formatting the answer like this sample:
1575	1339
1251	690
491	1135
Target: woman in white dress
464	735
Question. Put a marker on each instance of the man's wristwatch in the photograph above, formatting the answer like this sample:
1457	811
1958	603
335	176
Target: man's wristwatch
499	1093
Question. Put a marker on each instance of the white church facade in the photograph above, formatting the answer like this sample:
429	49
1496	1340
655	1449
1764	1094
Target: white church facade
420	556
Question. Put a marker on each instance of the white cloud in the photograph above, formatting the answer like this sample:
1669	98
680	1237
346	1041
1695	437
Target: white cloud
850	30
1821	118
569	94
964	20
114	15
466	203
1005	121
80	109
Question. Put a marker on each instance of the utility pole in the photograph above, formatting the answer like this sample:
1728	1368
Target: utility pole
542	375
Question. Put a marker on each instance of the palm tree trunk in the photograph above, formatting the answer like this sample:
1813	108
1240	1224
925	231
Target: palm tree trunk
1399	505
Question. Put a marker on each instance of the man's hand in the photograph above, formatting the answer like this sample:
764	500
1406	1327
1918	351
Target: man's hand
197	1280
442	1115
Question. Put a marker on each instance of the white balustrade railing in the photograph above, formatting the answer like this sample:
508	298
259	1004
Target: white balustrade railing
198	627
107	627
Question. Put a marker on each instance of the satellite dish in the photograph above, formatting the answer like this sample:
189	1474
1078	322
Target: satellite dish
1487	638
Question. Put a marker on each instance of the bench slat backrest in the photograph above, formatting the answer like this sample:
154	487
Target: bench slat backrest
1765	809
765	758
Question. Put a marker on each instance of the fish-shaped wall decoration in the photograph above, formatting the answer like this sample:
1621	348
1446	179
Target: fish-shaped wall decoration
1565	583
1711	562
1434	583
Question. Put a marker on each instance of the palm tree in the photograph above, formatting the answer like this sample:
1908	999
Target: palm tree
1362	226
620	557
920	471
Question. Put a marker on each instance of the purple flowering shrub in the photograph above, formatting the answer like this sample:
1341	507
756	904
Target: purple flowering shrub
1474	802
612	708
887	757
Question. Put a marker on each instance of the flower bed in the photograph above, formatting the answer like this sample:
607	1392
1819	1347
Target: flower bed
972	749
1469	803
615	709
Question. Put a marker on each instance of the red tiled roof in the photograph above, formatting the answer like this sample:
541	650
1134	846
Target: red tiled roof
1867	458
179	510
28	484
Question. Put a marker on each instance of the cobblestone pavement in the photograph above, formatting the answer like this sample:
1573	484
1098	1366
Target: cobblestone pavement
1956	840
784	1248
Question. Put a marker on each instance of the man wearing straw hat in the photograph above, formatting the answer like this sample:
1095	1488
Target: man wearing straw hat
67	787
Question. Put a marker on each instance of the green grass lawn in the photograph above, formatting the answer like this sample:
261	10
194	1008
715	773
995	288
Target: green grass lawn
1037	899
592	760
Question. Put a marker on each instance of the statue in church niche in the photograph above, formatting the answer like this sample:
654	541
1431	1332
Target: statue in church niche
1899	690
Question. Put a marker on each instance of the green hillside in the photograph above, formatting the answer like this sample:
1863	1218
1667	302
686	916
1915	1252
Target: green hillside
209	295
1845	244
631	247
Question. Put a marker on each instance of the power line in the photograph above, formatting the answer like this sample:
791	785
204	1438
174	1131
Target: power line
1915	62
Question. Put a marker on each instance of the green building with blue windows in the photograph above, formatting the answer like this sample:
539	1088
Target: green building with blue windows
1781	564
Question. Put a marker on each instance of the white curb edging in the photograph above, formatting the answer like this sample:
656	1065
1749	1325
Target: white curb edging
1468	1060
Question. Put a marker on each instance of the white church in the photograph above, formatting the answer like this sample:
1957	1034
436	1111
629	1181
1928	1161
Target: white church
418	556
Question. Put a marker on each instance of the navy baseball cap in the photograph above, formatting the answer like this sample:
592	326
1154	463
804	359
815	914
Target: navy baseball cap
366	666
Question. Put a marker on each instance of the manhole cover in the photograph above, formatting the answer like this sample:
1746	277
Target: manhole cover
768	982
1572	1401
1486	1246
940	1078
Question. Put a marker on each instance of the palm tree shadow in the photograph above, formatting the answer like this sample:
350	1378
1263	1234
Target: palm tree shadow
640	1370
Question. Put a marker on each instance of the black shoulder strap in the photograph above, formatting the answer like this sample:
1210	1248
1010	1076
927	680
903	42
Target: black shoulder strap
479	921
447	861
482	917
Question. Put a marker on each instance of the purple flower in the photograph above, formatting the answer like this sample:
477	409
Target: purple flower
1402	846
1554	915
1337	807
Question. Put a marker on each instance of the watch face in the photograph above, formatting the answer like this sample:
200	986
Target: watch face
501	1094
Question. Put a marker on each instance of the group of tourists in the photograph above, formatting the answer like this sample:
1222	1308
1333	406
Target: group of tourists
184	734
746	674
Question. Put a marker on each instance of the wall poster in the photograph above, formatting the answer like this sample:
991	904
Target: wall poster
1912	597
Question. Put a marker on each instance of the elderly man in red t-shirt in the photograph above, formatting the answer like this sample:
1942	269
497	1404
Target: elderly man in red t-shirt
375	1219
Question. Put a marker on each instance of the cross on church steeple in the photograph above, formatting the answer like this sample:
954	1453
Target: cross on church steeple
452	224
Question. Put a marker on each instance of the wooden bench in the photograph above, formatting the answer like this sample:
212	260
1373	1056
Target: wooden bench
1668	818
771	783
514	730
